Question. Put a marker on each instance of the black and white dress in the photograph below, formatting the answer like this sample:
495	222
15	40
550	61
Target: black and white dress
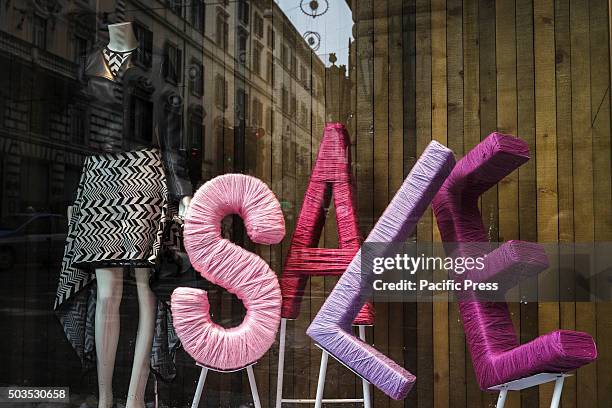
118	218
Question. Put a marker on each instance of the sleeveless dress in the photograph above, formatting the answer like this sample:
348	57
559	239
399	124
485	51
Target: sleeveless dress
119	214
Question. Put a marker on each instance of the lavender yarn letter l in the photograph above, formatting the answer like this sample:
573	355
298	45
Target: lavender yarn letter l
331	328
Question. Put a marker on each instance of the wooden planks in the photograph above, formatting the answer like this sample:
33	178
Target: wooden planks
396	148
600	123
424	321
439	127
455	75
382	110
567	310
471	129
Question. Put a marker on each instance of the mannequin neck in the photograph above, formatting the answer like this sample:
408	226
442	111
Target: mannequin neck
121	37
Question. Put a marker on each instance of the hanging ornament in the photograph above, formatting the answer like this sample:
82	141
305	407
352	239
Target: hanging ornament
313	39
314	8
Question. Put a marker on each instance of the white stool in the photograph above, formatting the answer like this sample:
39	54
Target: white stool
532	381
318	401
204	372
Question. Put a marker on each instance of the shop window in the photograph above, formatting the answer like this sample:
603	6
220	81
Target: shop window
144	54
198	14
39	32
173	58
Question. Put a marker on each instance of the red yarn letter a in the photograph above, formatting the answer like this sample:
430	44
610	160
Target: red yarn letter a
332	168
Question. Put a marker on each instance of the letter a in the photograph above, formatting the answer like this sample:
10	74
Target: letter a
332	170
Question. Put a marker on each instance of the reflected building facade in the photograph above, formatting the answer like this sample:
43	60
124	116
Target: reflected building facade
239	72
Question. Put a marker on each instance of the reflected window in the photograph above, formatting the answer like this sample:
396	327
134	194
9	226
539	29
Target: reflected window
176	6
80	124
221	92
243	11
257	113
144	54
80	49
258	25
271	37
141	119
293	66
196	131
284	99
173	59
198	14
39	32
304	115
222	31
242	45
257	58
242	104
270	67
35	184
196	78
285	55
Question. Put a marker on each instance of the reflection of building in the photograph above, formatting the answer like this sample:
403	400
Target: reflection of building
238	70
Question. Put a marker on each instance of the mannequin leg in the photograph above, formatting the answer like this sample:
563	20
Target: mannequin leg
109	293
144	340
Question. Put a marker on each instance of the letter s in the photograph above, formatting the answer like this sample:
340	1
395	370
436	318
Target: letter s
239	271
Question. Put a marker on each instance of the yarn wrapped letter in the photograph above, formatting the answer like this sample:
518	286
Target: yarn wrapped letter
239	271
331	328
496	353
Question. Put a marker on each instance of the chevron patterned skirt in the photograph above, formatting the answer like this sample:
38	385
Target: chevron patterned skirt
119	210
117	220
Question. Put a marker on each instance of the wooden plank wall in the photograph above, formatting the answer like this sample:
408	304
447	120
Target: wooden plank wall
455	71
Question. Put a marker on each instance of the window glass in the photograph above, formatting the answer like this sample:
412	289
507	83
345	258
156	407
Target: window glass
114	113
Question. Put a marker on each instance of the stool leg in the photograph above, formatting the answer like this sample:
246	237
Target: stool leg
253	385
556	398
367	399
198	393
281	363
501	400
321	384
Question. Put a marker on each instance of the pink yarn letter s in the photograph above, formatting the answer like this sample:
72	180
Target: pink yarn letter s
239	271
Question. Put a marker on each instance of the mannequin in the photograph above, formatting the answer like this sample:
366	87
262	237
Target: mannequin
121	38
104	70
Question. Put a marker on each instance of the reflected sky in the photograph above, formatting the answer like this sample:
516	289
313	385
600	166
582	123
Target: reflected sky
334	27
